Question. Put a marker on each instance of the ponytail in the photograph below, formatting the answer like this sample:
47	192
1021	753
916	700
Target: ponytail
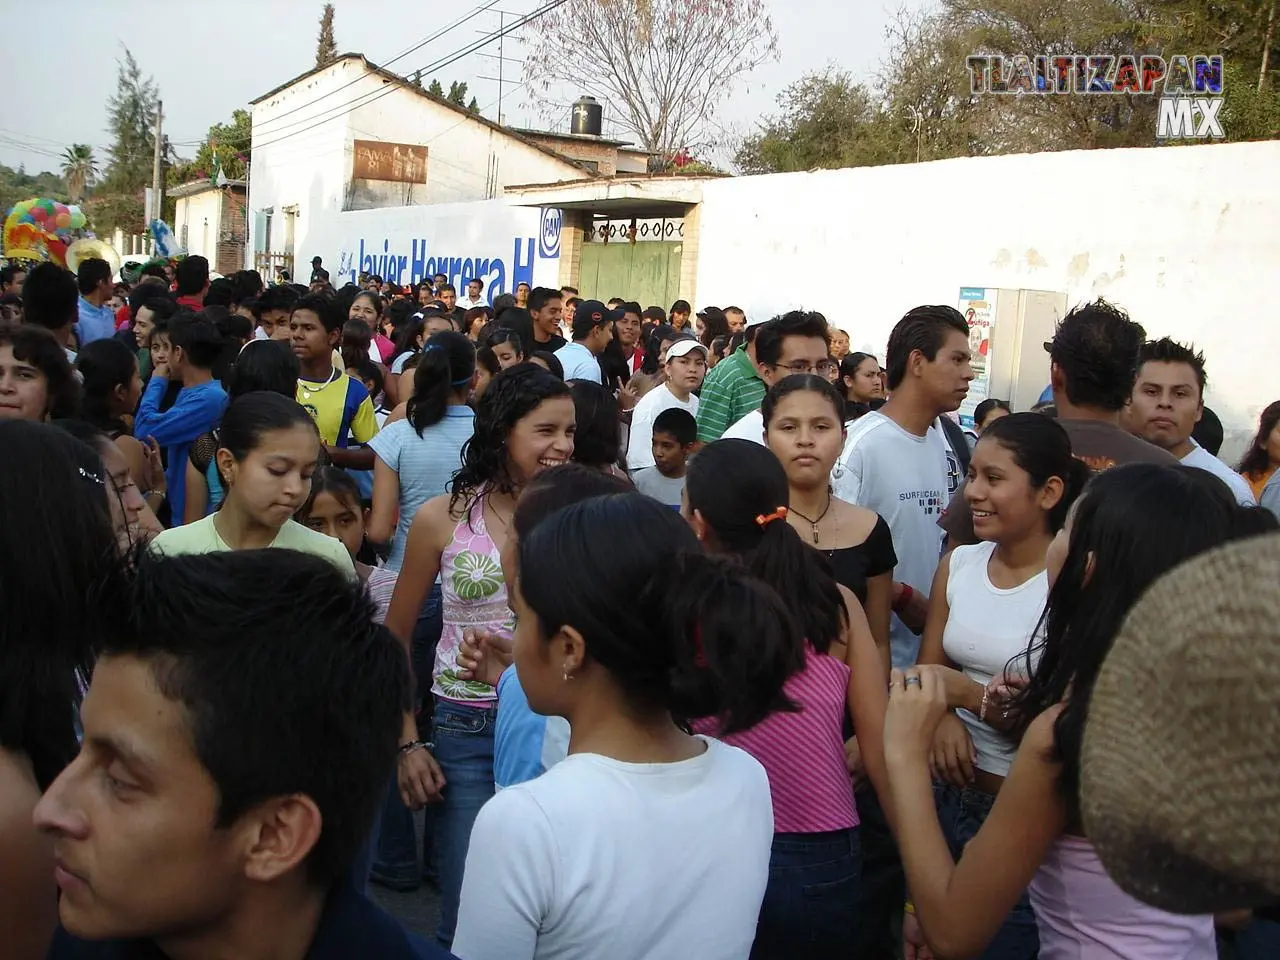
356	338
699	637
741	491
447	366
732	640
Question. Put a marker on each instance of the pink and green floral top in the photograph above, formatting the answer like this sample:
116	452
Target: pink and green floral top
475	595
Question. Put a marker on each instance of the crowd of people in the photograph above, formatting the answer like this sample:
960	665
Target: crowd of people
693	633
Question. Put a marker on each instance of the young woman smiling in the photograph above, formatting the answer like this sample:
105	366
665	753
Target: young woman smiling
986	602
1119	538
524	423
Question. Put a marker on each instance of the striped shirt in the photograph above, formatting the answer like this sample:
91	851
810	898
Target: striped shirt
731	391
803	752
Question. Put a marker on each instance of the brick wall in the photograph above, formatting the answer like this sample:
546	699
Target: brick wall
230	256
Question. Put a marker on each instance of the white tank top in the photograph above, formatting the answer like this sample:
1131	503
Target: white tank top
986	628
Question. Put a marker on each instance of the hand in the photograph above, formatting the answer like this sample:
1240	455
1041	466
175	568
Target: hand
160	370
853	760
153	478
917	702
483	656
953	756
628	396
913	943
419	777
1003	690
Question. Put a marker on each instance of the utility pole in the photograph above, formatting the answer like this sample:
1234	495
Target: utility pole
157	206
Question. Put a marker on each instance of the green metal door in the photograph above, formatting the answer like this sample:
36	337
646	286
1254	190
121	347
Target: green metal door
648	273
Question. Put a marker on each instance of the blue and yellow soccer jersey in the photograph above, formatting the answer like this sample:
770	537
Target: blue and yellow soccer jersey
341	408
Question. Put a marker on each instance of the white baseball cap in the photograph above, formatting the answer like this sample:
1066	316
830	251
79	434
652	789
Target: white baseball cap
685	346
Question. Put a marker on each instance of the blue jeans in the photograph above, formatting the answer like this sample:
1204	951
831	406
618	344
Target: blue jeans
961	814
882	881
813	902
395	858
464	750
1260	940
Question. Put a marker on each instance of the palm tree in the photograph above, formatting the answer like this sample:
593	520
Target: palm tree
79	168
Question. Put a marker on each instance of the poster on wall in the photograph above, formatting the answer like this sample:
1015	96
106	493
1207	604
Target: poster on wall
488	240
397	162
978	304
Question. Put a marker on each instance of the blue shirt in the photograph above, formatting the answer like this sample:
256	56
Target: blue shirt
96	323
425	464
525	743
350	927
196	411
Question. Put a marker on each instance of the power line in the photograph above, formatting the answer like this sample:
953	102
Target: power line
438	65
417	46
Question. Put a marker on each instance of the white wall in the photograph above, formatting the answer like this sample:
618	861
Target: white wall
500	244
1187	239
201	214
303	152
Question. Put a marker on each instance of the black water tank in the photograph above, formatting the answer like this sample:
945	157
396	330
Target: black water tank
588	117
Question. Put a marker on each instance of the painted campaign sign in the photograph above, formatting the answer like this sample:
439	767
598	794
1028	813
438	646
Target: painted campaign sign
497	244
978	304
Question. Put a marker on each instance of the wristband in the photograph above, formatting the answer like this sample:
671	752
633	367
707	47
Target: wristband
905	597
986	702
413	746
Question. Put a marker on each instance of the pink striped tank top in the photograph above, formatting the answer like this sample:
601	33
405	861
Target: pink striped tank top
803	752
1082	915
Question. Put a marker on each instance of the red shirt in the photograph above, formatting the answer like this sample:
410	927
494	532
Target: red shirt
194	301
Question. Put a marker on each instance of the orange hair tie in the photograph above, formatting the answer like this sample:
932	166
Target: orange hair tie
765	519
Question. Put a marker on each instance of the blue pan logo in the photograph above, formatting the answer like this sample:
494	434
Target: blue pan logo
549	234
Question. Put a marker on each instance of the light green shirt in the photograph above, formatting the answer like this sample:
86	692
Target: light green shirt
202	537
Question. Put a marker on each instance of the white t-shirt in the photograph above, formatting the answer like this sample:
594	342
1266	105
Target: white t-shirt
905	479
598	858
1202	459
579	363
640	443
987	627
750	427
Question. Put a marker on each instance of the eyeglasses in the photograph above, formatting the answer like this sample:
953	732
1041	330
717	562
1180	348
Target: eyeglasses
822	367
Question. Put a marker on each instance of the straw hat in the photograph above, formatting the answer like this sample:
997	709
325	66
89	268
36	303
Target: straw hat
1180	768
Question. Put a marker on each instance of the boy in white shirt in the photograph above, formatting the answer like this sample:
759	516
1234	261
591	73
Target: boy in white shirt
686	367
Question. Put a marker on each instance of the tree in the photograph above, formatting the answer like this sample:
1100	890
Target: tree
131	113
457	94
665	65
326	46
226	147
79	168
18	185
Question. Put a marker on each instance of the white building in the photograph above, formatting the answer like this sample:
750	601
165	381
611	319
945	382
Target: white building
209	221
336	144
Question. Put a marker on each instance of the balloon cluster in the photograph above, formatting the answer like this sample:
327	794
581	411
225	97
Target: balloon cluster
41	229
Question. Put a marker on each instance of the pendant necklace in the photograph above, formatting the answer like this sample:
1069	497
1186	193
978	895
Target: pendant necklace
813	524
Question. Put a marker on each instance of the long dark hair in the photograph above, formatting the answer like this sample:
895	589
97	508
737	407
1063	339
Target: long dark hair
597	439
447	366
1132	524
104	365
510	397
1042	448
55	594
679	631
1256	461
736	485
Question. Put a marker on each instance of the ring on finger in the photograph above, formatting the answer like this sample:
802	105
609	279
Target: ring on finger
911	681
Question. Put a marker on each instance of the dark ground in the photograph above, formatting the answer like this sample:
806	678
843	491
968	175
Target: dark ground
419	910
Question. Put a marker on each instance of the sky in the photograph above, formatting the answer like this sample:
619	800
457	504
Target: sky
210	58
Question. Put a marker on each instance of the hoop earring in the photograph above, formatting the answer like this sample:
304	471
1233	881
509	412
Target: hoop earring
838	472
